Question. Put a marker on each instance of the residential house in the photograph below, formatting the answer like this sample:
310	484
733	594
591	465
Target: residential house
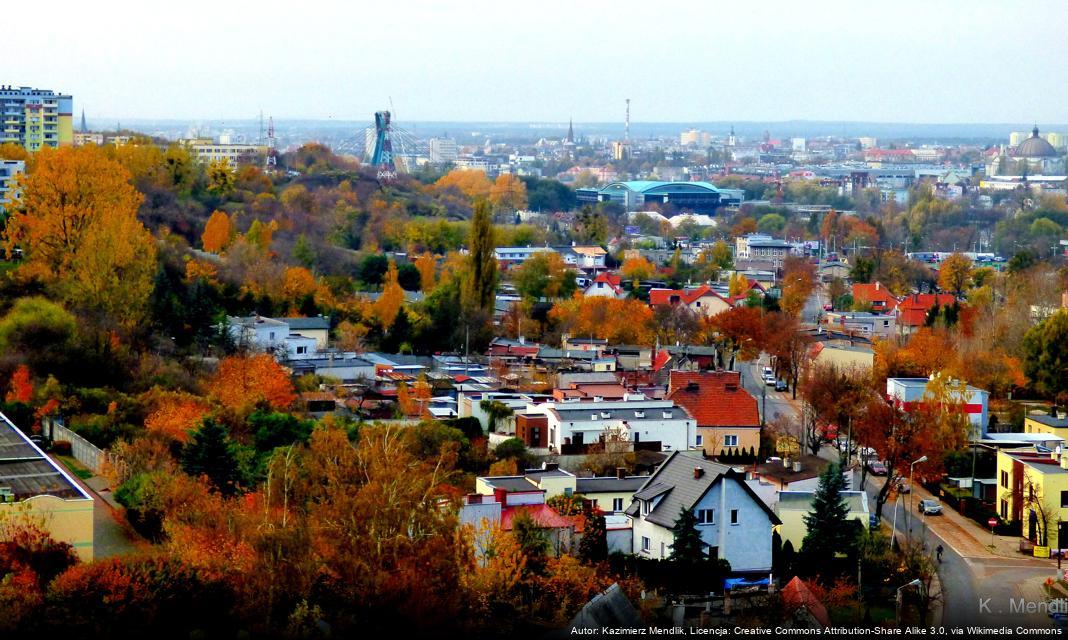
610	494
799	474
702	300
734	522
1056	425
793	506
876	295
347	367
469	405
833	269
635	421
760	246
596	391
913	309
512	497
1033	491
606	285
727	415
587	259
317	328
863	323
509	257
579	343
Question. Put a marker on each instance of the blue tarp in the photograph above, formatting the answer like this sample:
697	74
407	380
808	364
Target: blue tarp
737	583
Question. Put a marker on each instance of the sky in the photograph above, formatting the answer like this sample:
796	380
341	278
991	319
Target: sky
915	61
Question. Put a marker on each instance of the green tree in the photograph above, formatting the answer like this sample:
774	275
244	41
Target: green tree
1045	347
482	283
863	270
830	531
211	453
532	538
688	546
496	411
303	252
594	545
545	275
512	448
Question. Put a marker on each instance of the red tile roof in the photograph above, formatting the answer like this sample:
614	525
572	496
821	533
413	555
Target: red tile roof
912	312
544	515
874	293
796	595
685	296
660	359
716	400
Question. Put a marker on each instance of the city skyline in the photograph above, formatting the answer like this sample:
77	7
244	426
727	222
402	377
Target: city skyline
837	62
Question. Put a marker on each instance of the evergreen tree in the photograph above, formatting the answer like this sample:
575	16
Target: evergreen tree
688	546
594	544
482	287
830	531
211	453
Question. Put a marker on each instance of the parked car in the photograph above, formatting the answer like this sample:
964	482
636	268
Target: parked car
780	385
873	521
930	507
876	468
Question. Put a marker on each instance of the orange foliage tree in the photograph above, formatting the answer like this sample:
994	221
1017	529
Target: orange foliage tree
798	282
244	382
473	184
627	321
508	193
427	266
21	387
637	269
218	232
176	415
390	302
297	282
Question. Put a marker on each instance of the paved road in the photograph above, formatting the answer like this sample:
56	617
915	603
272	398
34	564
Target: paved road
978	587
776	403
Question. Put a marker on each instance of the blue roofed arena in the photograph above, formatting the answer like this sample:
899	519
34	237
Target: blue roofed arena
635	195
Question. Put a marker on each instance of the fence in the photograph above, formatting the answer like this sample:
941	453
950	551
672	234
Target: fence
85	452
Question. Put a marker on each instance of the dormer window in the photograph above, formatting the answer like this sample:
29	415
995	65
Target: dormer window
639	414
667	415
606	415
593	416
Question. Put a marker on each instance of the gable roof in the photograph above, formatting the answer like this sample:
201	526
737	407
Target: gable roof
873	293
674	480
912	311
714	398
659	297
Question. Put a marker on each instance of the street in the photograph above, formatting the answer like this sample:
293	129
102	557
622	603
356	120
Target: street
978	587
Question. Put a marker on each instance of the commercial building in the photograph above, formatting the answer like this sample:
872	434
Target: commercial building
234	154
908	393
636	195
760	246
35	118
33	486
443	150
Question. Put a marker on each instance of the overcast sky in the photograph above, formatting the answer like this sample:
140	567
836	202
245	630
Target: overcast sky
932	61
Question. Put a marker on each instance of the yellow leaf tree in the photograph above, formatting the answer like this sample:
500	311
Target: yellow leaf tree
390	302
218	232
427	266
79	233
955	273
508	193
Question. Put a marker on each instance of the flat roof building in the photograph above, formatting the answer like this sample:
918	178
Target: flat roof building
34	486
35	118
635	195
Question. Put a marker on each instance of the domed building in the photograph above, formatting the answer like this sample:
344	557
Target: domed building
1038	156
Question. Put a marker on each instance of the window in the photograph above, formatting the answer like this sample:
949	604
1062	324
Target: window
1004	509
646	544
730	441
734	516
645	507
595	504
1005	479
706	516
617	504
301	350
1064	499
700	440
663	550
568	491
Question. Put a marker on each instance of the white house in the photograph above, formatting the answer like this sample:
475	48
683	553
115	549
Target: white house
605	285
908	393
635	419
734	522
259	333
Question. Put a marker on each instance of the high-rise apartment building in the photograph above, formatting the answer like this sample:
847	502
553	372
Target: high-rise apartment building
35	118
443	150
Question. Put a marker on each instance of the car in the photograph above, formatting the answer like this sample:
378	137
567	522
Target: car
780	385
873	521
930	507
876	468
902	486
770	381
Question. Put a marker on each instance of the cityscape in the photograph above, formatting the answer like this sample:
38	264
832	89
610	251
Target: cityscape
573	339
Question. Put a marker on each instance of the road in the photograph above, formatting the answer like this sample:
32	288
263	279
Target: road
978	587
775	403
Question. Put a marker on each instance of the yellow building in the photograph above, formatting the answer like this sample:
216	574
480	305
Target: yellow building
1045	423
1033	491
34	487
793	506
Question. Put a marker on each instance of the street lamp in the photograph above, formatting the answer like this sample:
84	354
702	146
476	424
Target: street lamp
908	517
897	609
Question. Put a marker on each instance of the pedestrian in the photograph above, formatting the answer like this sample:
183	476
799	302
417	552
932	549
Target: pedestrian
938	552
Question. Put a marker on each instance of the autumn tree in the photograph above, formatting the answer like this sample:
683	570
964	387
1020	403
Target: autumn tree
955	273
21	387
389	303
738	332
176	415
508	193
244	382
798	283
472	184
427	266
220	178
218	232
626	321
79	233
637	268
785	339
297	282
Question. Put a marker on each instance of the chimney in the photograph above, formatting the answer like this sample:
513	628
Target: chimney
621	473
698	472
797	466
876	285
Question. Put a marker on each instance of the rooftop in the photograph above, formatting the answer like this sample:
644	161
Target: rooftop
28	471
714	398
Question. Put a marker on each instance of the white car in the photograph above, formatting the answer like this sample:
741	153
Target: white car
930	507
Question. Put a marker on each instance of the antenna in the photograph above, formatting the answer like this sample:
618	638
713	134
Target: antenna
272	154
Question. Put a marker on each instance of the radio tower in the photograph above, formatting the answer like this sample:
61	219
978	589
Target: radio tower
272	153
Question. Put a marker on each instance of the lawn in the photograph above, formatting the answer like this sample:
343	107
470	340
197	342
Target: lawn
75	467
